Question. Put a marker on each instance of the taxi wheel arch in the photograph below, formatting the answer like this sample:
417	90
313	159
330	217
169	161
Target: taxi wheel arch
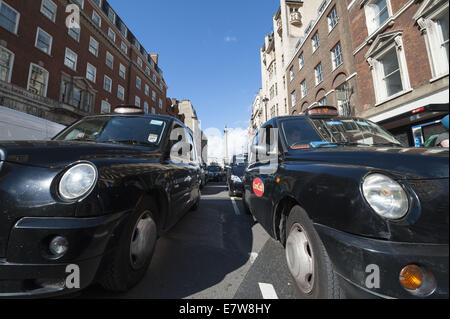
280	216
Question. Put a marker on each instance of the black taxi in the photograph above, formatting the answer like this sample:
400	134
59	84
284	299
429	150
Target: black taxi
90	204
359	214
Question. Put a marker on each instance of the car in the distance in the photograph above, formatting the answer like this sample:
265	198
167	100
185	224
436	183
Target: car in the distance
97	196
359	214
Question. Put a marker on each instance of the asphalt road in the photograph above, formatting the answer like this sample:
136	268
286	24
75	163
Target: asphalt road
216	252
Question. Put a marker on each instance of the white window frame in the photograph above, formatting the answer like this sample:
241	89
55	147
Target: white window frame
332	17
318	73
334	56
51	41
315	42
111	32
137	101
105	103
138	82
294	98
95	73
81	3
65	59
147	90
301	61
160	104
124	47
303	89
110	14
46	81
94	13
104	84
371	28
122	70
120	89
53	19
378	71
16	27
153	96
139	61
92	40
109	55
11	63
437	55
145	107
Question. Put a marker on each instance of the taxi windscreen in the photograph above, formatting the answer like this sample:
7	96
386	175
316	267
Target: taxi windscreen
357	132
143	131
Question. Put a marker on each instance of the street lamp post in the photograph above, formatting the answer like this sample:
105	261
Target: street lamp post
265	100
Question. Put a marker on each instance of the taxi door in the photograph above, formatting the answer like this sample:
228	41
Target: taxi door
261	176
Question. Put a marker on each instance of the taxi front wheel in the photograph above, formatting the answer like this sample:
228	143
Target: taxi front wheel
307	259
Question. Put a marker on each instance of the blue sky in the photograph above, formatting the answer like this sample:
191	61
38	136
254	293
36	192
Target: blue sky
209	51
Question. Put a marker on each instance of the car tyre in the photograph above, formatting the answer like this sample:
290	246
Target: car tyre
246	208
128	264
196	205
307	259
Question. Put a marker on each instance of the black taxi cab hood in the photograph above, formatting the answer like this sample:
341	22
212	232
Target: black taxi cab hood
55	154
403	163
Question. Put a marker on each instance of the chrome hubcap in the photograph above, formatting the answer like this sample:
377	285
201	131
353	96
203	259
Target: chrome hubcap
300	258
142	241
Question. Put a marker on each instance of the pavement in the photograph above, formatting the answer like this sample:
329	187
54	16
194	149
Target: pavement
215	252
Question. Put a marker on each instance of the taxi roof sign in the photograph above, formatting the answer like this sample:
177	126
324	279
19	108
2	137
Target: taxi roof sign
128	109
322	110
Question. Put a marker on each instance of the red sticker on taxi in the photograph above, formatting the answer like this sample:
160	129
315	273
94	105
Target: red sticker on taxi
258	187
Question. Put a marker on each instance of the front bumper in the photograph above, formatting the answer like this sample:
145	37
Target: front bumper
353	258
237	188
30	271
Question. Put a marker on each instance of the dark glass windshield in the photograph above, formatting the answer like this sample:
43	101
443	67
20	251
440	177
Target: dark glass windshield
343	132
138	130
214	168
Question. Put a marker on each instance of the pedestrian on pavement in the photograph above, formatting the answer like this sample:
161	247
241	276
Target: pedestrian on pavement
443	139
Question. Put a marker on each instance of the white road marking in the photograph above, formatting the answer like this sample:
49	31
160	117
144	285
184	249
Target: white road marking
236	209
268	291
253	257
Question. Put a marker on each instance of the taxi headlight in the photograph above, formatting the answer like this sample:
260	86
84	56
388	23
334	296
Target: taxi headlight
77	181
386	197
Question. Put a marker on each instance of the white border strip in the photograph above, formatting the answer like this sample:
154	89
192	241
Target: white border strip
268	291
236	208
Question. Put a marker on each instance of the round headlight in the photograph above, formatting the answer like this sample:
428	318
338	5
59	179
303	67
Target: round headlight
385	196
77	181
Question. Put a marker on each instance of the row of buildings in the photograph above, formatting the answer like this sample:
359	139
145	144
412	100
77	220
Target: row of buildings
384	60
64	59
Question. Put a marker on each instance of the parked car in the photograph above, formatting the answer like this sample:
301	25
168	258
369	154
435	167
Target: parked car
203	175
235	175
97	196
215	173
359	215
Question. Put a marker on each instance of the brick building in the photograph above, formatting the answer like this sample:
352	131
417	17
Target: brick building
401	54
322	70
61	69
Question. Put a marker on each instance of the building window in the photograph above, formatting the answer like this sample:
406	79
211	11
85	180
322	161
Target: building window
154	78
70	59
153	96
336	56
96	18
153	110
48	8
44	41
138	82
9	18
6	64
315	41
303	89
301	61
161	86
123	29
121	93
389	69
76	94
98	3
291	73
323	101
145	107
333	19
91	73
38	80
139	61
122	71
318	73
111	15
75	33
433	21
124	47
377	12
105	108
93	46
160	104
137	101
111	34
147	70
109	60
80	3
107	84
147	90
294	98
